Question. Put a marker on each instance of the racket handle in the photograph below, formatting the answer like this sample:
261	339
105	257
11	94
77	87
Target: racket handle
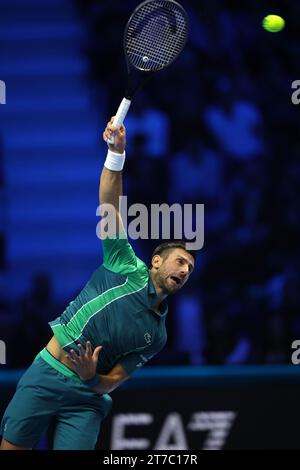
120	116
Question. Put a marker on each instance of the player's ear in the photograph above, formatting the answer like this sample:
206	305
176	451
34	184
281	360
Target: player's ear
156	261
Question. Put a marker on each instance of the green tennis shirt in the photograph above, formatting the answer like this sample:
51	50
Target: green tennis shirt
115	310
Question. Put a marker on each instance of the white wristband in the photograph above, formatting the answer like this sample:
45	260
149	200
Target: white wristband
114	161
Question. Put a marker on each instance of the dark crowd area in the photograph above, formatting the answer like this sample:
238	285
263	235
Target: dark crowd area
217	128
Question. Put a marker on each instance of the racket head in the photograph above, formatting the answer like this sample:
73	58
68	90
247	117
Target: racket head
155	35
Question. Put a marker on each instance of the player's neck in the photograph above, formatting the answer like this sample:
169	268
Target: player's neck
161	295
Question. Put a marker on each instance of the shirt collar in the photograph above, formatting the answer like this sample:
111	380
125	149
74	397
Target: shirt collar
152	297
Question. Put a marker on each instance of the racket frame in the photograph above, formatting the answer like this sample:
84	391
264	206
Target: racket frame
132	88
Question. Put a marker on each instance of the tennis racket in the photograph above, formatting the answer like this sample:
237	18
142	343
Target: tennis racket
154	36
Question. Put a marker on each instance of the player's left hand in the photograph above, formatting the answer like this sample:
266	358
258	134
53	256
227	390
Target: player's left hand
85	363
119	136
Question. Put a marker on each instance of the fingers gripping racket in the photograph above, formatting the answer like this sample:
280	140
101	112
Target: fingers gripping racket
154	36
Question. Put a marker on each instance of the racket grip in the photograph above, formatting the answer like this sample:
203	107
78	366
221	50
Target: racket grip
120	116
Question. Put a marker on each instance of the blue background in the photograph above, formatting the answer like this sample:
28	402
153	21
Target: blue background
218	128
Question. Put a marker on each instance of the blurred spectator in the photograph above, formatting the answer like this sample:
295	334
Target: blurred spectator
189	334
235	122
150	122
36	309
202	166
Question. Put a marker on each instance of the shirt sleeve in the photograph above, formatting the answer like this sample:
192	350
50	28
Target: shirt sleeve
118	255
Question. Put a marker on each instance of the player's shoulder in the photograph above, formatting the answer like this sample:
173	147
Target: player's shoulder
140	275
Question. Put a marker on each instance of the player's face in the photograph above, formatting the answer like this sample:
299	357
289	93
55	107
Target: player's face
174	270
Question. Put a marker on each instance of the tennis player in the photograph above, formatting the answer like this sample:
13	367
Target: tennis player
114	326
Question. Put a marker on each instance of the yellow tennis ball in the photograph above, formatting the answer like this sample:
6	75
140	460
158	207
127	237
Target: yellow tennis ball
273	23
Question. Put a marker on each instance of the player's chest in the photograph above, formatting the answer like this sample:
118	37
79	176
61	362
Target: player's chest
135	330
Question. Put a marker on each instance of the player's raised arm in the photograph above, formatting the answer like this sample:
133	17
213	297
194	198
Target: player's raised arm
111	176
118	255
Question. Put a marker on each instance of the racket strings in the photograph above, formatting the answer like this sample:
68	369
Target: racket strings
156	34
155	44
149	57
156	41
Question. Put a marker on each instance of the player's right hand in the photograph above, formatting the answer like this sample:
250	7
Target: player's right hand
85	363
119	135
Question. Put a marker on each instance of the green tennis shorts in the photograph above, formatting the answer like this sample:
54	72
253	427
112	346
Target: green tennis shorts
48	390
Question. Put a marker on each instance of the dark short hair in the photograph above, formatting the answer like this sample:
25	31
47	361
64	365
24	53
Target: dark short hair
163	248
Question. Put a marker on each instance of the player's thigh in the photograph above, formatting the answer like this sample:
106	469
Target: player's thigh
35	401
78	423
6	445
77	431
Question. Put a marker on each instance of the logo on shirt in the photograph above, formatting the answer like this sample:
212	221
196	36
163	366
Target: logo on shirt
148	338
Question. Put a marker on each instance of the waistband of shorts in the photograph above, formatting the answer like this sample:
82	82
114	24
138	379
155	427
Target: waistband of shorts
59	366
